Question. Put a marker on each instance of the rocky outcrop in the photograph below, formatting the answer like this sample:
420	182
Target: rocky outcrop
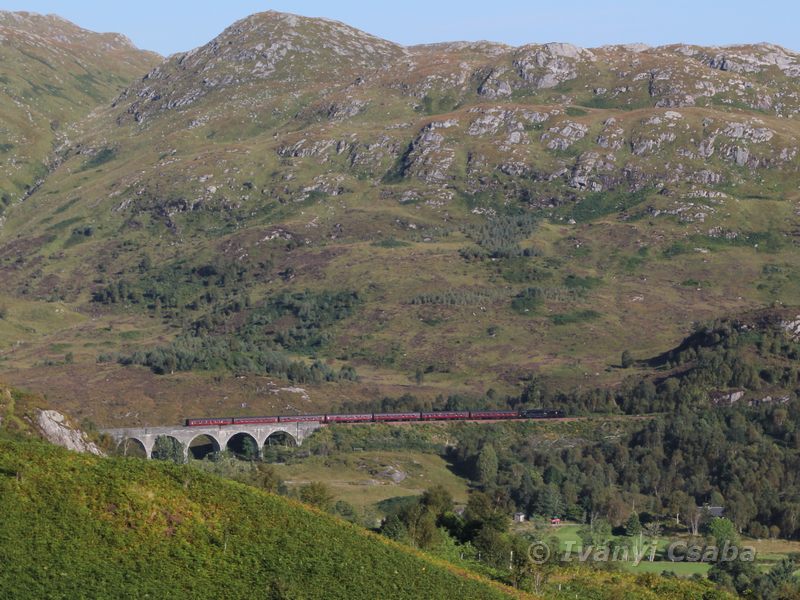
55	429
753	59
563	135
547	66
429	158
792	328
496	84
295	51
586	170
726	398
745	131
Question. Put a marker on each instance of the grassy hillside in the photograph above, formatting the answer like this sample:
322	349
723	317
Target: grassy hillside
52	74
368	478
75	526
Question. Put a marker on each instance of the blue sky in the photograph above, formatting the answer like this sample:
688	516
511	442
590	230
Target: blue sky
168	26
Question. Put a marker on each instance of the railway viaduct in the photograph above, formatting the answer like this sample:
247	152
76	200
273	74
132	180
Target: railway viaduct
219	436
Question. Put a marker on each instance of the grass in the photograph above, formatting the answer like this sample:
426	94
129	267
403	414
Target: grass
579	316
599	204
103	156
768	552
364	478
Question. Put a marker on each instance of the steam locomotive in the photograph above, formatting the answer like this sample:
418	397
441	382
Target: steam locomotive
446	415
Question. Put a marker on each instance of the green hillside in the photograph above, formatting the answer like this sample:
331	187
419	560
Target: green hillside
75	527
80	527
52	74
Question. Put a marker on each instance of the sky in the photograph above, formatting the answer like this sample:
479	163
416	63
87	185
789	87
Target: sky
169	26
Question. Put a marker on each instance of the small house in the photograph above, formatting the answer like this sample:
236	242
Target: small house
555	521
519	517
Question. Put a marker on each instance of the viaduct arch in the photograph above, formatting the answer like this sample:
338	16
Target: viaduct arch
220	435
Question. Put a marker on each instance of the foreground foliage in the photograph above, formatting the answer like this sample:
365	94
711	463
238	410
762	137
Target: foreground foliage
75	526
79	526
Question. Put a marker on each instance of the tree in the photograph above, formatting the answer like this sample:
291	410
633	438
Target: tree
345	510
723	531
694	515
168	448
627	359
738	573
420	524
487	465
482	511
548	501
596	534
316	494
779	583
265	477
742	508
635	533
438	500
633	526
685	509
652	530
494	547
249	448
394	529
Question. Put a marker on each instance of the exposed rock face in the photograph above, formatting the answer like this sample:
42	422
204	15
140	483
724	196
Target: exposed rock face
392	473
591	172
429	158
56	430
743	131
793	328
741	59
547	66
564	135
726	398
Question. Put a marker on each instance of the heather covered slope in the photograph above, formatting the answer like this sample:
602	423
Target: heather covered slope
451	217
77	526
73	526
52	73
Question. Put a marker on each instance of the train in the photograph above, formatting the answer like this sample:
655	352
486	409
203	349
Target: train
396	417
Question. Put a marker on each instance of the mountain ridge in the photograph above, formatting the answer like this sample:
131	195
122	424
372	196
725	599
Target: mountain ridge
30	21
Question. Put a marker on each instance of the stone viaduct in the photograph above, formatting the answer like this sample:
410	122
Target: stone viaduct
219	436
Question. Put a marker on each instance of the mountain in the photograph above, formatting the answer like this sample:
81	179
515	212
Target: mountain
299	214
52	73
